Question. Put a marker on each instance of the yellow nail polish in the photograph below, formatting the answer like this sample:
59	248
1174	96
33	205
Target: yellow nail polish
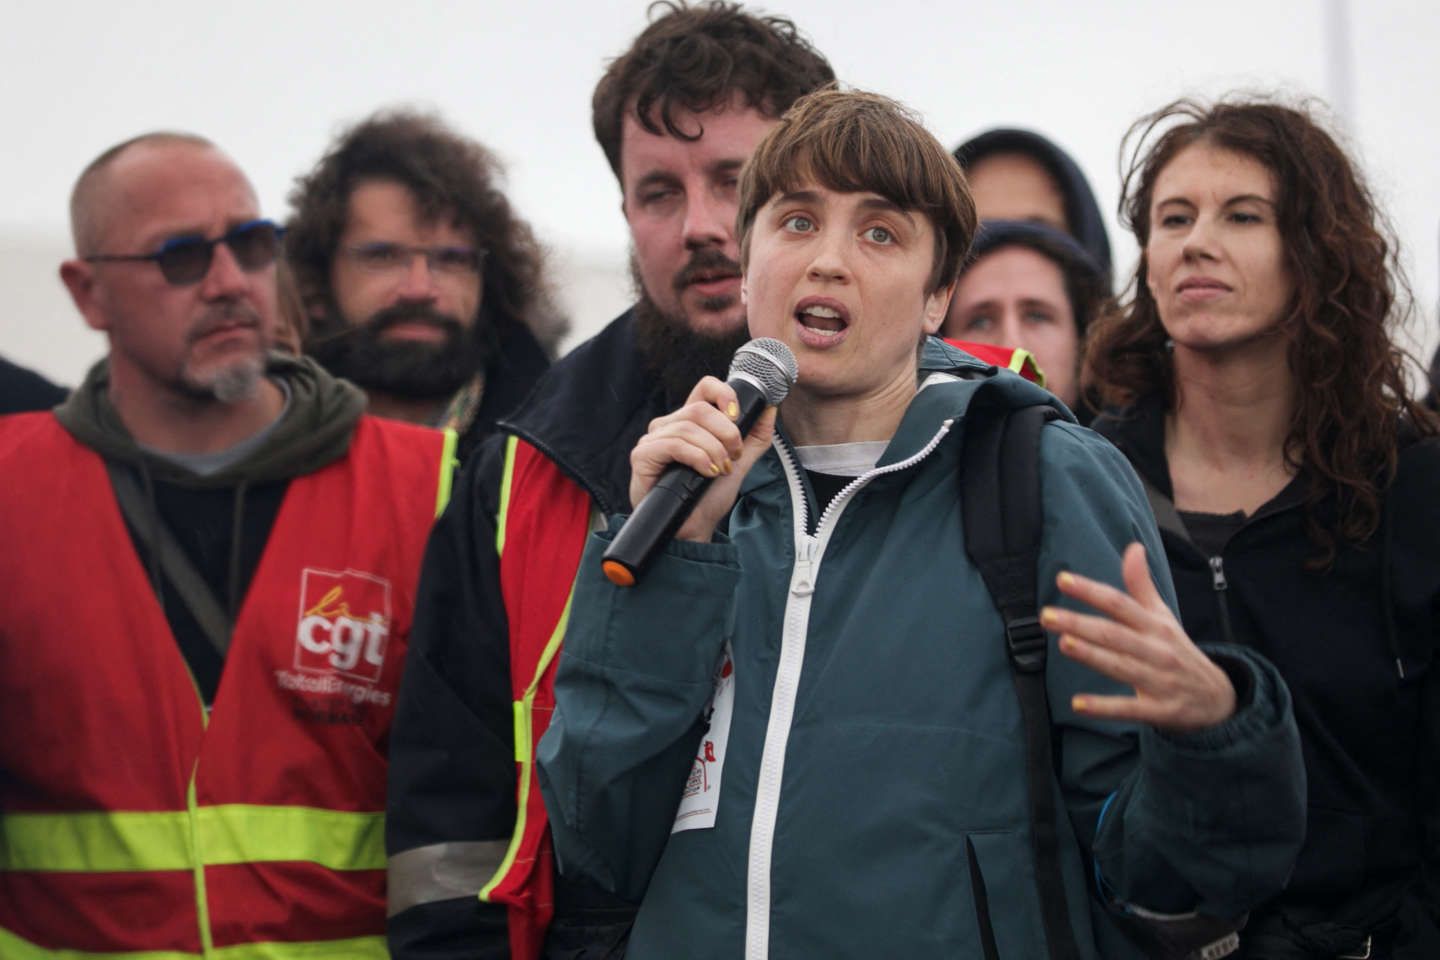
714	470
1066	578
1079	704
1049	617
727	466
733	410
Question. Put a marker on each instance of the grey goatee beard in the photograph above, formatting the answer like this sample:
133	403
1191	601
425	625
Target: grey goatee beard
237	382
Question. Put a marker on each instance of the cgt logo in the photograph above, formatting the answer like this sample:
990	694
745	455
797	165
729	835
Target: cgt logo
344	623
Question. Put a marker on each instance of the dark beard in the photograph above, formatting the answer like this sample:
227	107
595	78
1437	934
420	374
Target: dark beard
406	369
676	355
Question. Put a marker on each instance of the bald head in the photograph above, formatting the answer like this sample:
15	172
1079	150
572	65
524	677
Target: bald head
90	200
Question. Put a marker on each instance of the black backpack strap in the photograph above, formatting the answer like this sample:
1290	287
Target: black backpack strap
1000	502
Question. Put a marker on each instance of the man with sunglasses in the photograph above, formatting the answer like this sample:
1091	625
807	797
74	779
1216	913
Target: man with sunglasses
422	285
211	559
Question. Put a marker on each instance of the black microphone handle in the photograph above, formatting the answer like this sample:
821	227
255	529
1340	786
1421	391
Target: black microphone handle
663	510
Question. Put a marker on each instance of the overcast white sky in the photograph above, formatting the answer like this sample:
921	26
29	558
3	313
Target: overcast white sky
273	81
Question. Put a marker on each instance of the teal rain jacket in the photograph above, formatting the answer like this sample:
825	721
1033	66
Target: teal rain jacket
875	743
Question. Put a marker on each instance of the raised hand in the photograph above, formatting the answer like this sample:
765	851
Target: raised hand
1137	641
703	436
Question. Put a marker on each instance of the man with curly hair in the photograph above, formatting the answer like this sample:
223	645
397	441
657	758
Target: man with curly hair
422	285
470	870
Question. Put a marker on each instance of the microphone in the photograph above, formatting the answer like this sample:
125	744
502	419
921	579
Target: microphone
761	375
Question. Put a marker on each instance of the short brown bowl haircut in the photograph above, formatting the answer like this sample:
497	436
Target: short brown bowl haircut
857	142
700	58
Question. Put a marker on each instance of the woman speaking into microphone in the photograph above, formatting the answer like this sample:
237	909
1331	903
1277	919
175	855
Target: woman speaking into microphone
801	732
1265	405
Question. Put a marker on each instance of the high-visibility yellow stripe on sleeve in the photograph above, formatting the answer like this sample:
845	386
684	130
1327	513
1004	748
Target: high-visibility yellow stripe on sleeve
226	834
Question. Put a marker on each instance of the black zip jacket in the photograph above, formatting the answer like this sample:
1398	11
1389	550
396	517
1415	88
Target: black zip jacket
517	366
452	753
22	390
1366	687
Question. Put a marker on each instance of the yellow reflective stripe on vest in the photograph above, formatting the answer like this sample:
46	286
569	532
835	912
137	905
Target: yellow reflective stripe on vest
125	841
524	712
202	893
448	465
506	477
1019	357
355	948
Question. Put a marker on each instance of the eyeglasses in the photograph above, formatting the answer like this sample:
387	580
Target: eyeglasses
385	258
186	260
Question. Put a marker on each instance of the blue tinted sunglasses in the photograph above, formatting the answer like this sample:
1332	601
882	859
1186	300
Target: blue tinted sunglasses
186	260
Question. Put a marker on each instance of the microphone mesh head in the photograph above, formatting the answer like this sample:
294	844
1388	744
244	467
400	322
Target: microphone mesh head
770	365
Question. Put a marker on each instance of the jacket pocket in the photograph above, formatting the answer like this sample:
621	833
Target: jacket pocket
982	904
1002	882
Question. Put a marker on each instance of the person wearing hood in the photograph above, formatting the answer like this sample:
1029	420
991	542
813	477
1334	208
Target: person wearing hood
207	598
1020	175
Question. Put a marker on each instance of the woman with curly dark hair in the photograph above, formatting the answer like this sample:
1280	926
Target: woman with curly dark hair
1256	389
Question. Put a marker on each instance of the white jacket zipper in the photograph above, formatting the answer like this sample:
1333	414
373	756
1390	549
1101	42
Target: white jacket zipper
808	553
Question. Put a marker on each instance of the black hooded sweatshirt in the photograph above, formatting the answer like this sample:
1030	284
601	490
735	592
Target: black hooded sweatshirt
1081	210
1357	645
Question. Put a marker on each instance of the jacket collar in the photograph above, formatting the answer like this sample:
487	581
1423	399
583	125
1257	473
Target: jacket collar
954	384
1139	431
590	408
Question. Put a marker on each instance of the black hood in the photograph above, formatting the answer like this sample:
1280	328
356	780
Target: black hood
1081	210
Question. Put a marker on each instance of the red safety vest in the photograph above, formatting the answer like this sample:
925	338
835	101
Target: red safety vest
540	532
541	526
1018	359
129	821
